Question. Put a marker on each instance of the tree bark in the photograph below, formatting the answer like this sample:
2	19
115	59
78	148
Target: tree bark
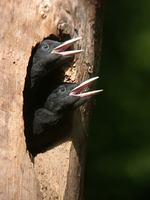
57	173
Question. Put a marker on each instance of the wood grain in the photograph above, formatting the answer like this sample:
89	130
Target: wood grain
57	173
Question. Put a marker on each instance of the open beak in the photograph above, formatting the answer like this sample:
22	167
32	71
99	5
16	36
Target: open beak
77	90
61	48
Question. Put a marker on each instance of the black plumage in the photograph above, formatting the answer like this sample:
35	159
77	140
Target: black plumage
63	99
44	61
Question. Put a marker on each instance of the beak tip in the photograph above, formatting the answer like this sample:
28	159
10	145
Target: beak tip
77	90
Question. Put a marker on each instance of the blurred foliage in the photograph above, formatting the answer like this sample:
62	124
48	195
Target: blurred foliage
118	157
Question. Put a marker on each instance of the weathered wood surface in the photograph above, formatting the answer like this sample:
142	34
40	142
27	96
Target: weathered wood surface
57	173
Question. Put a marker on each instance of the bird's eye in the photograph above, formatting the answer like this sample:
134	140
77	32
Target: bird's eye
63	89
45	47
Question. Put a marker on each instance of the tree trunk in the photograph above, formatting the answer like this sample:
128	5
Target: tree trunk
57	173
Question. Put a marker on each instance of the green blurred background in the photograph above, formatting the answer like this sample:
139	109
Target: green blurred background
118	156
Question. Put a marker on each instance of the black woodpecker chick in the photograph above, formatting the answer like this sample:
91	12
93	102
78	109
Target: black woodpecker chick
63	99
47	56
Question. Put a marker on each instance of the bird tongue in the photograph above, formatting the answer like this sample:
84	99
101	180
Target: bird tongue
77	90
61	48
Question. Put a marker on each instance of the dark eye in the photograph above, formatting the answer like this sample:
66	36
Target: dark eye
63	89
45	47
